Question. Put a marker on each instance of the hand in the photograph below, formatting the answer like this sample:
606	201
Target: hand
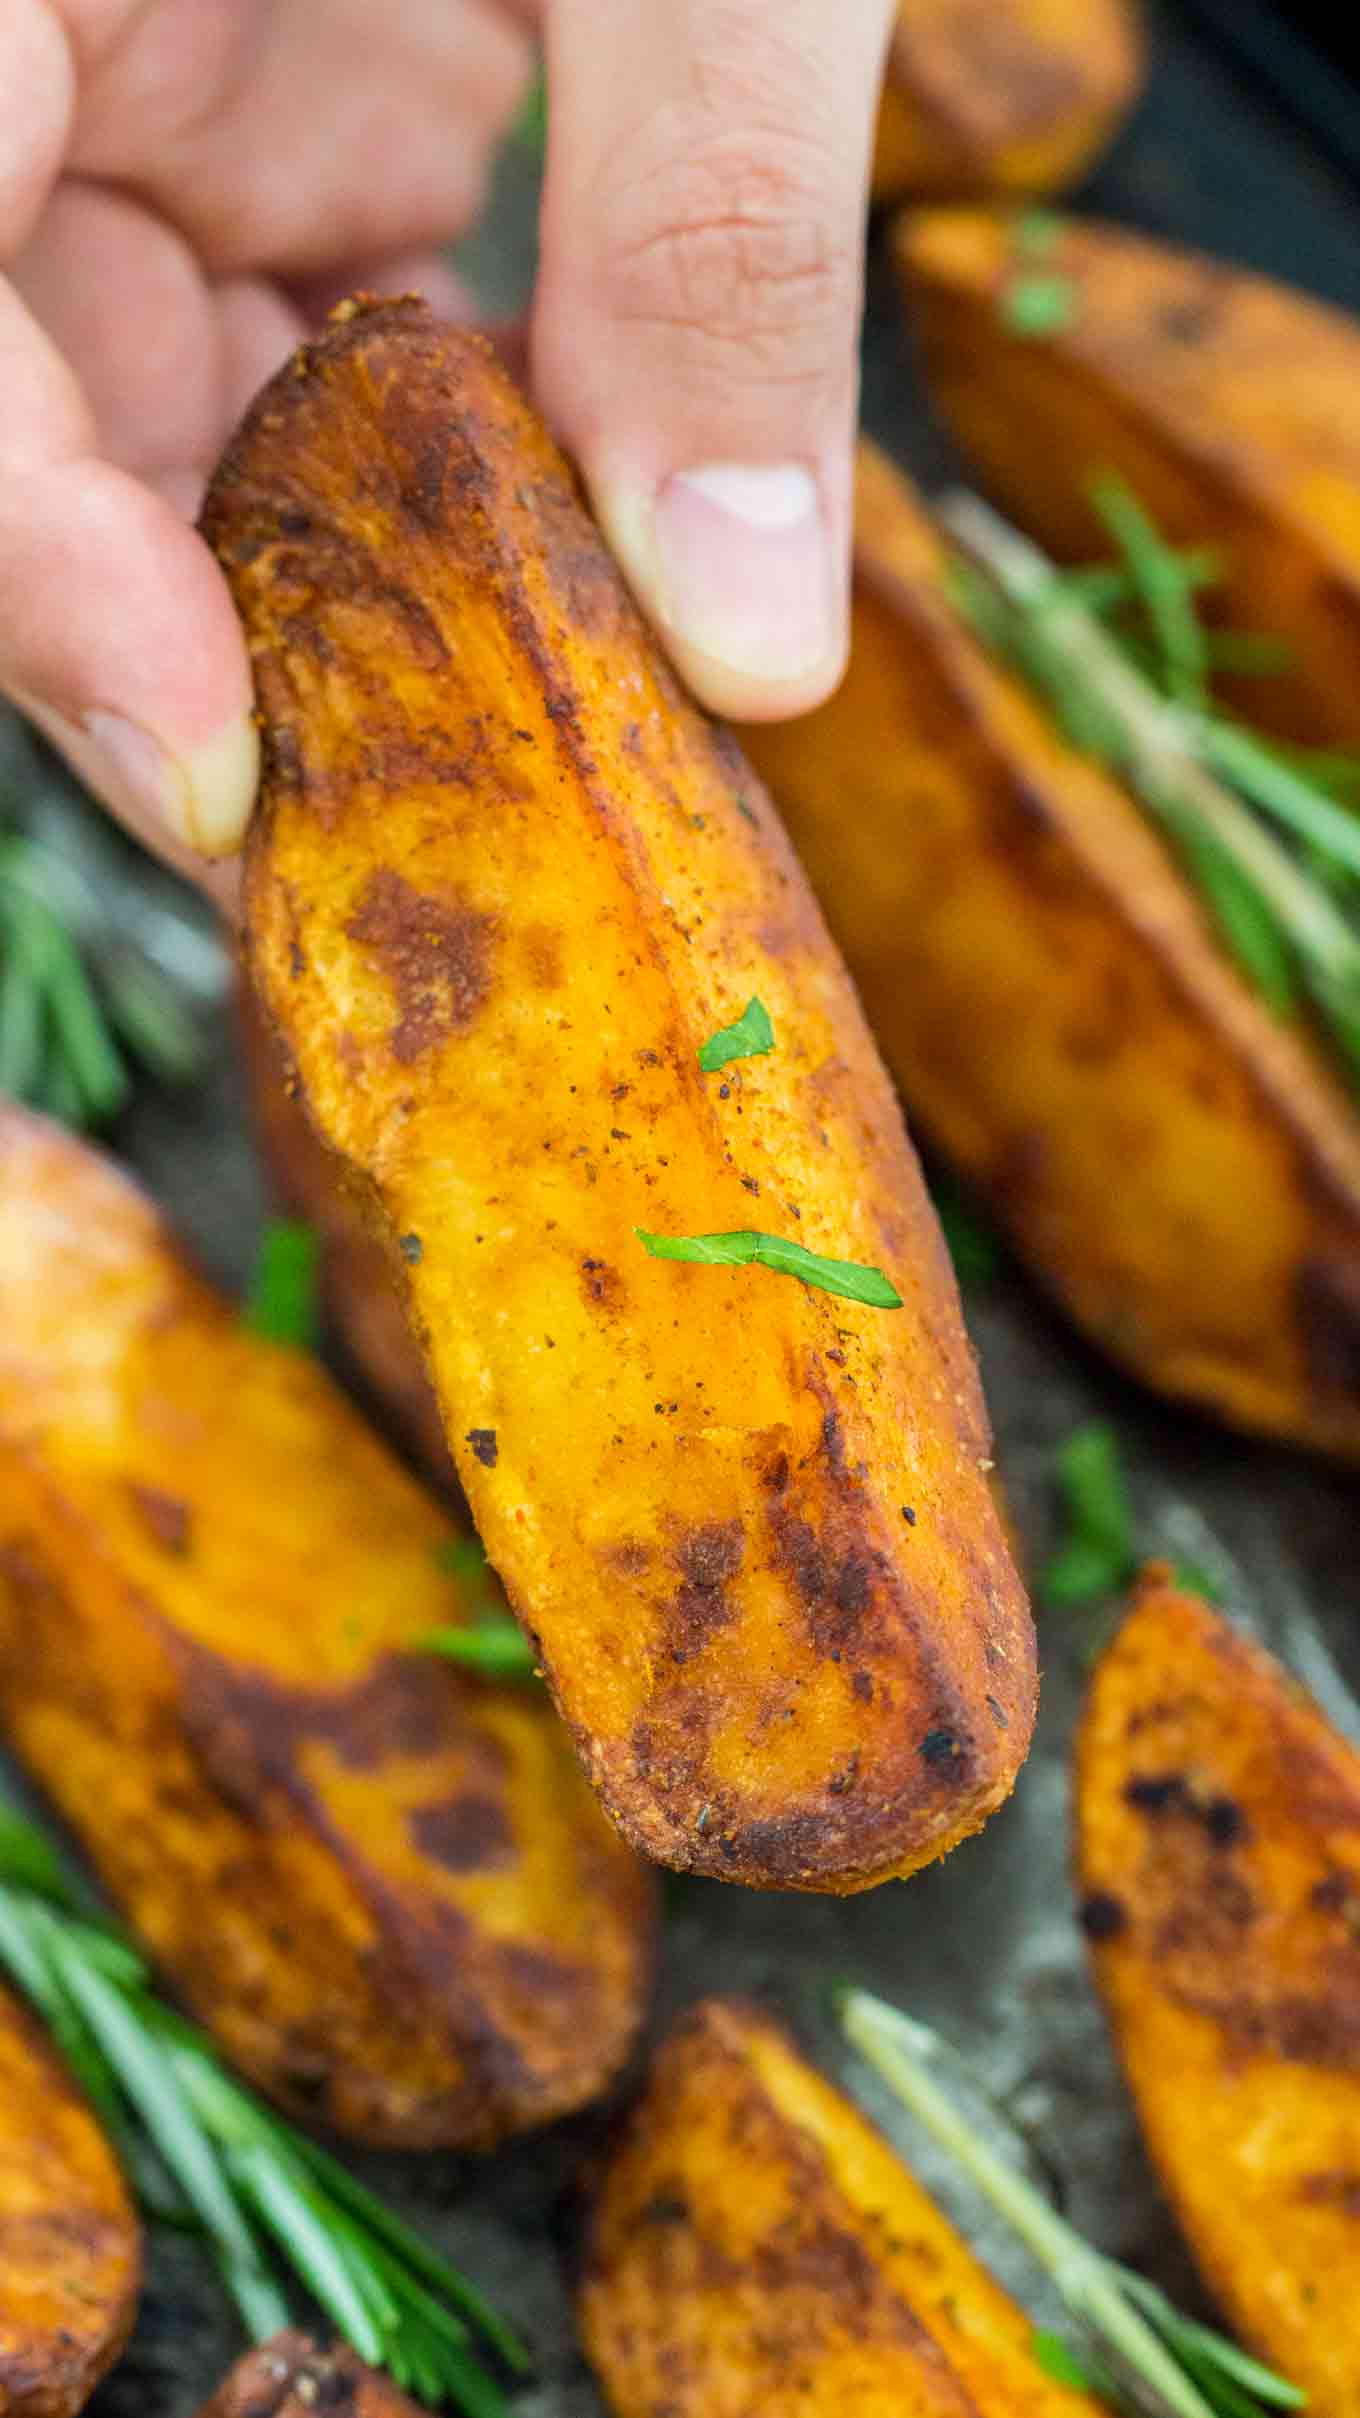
184	184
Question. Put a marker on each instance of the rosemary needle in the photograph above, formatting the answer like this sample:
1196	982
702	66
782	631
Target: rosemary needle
261	2194
1158	2361
1212	785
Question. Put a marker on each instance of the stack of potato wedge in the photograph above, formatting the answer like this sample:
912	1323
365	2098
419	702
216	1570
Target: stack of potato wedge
686	1336
1046	984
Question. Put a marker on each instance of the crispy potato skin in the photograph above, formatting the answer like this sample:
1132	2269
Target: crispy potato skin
1054	1006
1219	1859
1228	402
290	2376
503	883
363	1303
1002	96
70	2246
422	1930
755	2246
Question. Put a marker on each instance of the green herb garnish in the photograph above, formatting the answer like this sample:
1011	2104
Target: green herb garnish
1160	582
531	126
740	1250
1098	1555
971	1243
1145	2346
752	1036
491	1643
76	1004
283	1297
265	2198
464	1557
1259	831
1058	2360
1038	303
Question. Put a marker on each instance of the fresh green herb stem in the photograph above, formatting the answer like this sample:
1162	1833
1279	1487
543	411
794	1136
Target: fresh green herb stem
1173	2367
259	2192
1177	755
491	1643
746	1247
68	999
1161	583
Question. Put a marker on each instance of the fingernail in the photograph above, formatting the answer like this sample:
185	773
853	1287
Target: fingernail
203	795
744	570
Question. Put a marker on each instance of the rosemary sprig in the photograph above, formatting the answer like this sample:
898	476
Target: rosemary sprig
76	1005
262	2195
1284	906
1148	2357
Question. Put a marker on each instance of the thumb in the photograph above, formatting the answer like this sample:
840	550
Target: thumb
696	321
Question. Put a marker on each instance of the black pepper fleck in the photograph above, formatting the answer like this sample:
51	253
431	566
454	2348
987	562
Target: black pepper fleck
484	1445
1102	1916
412	1249
940	1746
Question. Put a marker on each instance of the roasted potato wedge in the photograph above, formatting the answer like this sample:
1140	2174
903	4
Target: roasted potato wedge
292	2377
381	1884
1226	401
1055	1007
1002	96
755	2246
1218	1849
70	2246
503	883
362	1299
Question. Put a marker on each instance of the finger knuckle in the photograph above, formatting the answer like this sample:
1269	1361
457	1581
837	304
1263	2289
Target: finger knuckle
740	249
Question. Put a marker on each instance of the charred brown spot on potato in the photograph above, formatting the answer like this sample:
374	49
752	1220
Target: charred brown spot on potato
707	1557
464	1834
545	956
436	953
602	1287
169	1520
1167	1793
629	1555
833	1571
1102	1914
1338	2188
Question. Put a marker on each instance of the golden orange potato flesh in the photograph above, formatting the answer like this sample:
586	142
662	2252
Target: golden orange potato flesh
1218	1852
70	2246
1181	1169
1002	96
362	1299
1226	401
379	1882
755	2246
503	883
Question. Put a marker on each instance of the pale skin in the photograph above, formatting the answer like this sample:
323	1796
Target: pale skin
185	187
